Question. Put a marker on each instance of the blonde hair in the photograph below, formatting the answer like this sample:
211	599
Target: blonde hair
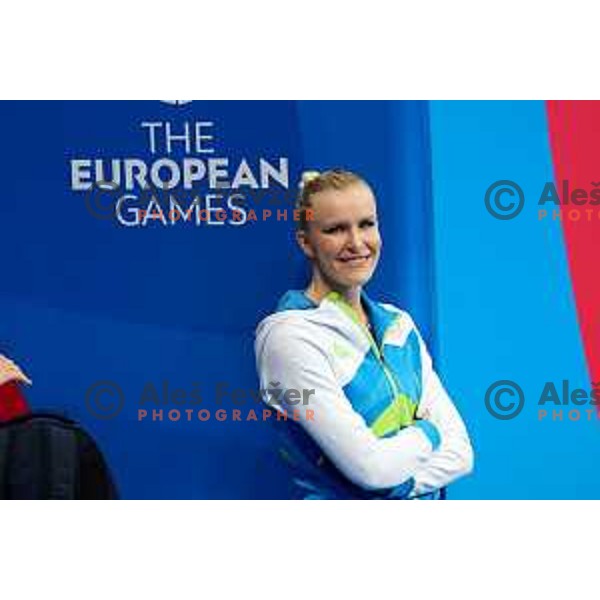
313	182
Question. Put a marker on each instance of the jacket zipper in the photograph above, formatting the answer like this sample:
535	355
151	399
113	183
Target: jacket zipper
337	299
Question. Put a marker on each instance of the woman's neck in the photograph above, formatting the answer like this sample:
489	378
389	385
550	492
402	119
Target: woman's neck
318	289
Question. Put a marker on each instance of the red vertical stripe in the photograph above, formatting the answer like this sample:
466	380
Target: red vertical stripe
574	128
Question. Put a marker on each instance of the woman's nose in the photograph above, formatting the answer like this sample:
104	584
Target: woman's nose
355	240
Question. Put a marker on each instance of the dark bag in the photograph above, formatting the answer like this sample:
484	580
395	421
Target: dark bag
44	456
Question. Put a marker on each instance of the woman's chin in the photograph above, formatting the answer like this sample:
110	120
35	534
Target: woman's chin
354	280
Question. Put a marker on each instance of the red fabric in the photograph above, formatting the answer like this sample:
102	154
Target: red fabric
12	402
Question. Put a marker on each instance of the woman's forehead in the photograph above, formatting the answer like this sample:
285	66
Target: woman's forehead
356	199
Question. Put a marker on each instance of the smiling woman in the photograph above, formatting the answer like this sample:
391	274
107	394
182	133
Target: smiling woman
383	426
344	244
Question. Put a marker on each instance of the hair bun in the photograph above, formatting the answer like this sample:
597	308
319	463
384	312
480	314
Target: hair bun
307	177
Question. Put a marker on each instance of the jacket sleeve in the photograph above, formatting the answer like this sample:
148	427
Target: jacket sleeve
289	358
454	456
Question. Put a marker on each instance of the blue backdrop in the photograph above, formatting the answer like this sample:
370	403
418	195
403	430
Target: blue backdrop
84	299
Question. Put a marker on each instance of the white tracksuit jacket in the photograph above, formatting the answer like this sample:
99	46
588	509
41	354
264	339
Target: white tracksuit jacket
373	419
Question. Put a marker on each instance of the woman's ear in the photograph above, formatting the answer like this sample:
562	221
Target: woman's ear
304	243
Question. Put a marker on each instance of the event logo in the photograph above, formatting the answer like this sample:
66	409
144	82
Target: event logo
183	178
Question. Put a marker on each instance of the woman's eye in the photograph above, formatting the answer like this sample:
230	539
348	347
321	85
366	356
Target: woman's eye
367	224
335	229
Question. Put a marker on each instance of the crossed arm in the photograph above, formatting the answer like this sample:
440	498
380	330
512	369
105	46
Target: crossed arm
430	454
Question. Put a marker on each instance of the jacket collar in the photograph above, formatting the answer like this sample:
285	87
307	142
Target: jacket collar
380	318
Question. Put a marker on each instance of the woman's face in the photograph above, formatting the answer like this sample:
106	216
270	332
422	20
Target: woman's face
342	239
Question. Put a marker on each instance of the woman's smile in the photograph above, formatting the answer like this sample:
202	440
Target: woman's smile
355	261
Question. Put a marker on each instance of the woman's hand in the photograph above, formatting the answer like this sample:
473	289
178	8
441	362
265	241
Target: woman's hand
9	371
